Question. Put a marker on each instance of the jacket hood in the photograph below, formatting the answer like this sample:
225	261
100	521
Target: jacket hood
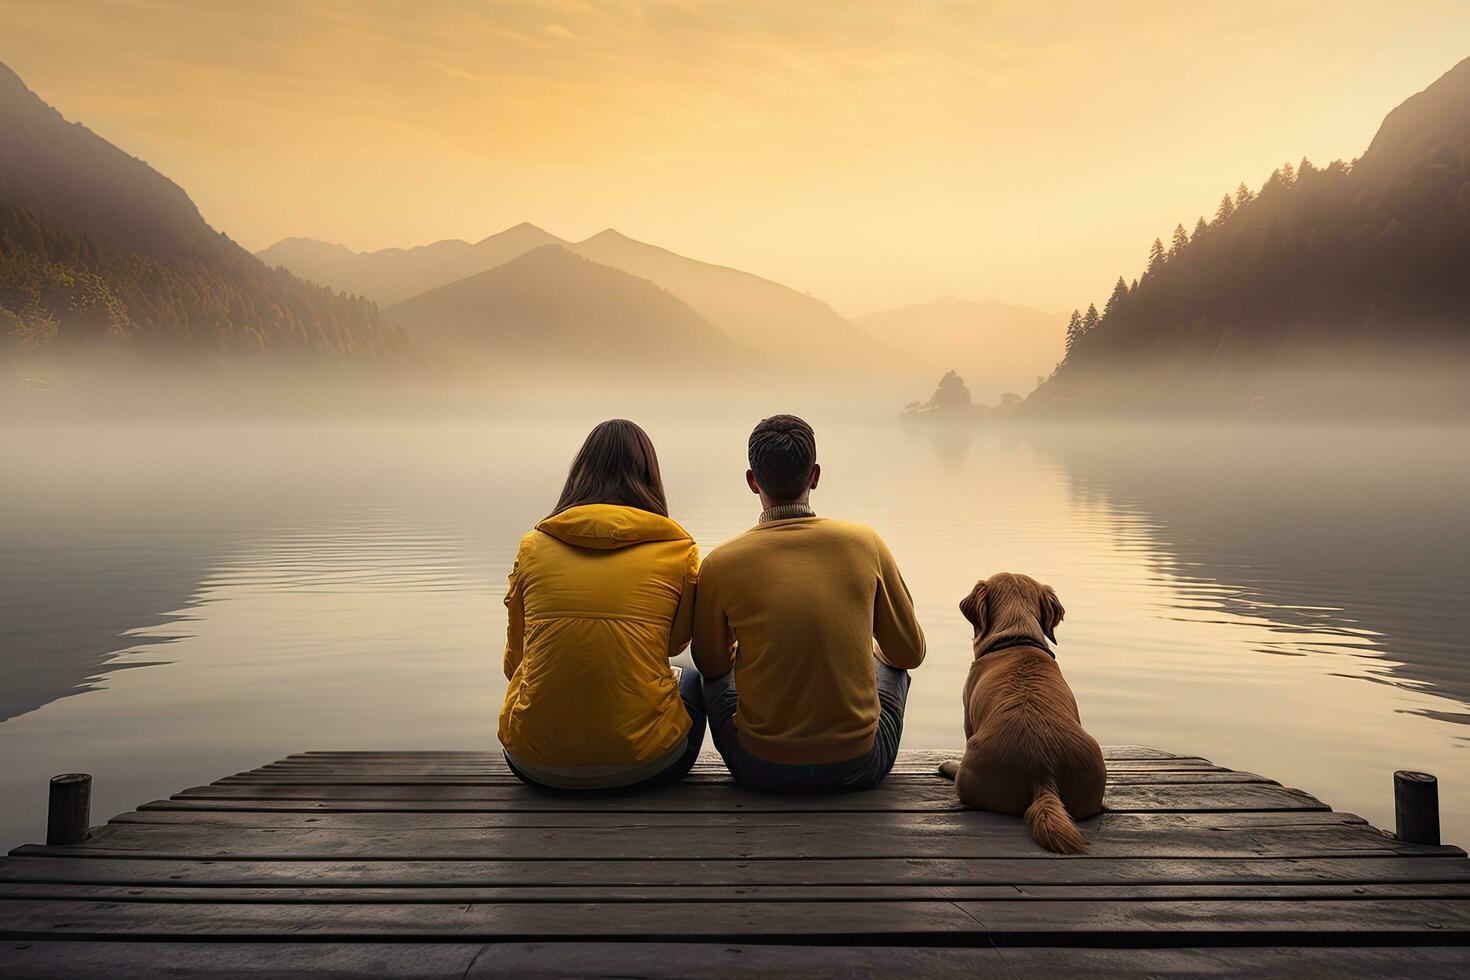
608	526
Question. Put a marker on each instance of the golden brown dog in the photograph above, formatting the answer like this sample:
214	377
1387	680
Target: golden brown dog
1025	750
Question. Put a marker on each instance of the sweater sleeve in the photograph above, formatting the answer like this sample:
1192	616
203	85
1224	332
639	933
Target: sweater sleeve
682	628
714	641
515	620
895	624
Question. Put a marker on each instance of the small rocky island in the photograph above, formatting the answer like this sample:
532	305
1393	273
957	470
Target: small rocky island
952	400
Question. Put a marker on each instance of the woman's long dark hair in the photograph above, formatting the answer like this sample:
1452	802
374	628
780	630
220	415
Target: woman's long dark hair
616	465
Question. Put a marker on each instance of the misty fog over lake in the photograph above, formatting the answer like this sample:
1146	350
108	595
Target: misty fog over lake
181	599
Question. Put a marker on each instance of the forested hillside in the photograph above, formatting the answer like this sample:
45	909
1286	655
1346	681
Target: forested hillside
1361	267
99	251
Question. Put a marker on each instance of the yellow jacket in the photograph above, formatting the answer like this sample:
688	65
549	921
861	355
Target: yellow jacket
600	597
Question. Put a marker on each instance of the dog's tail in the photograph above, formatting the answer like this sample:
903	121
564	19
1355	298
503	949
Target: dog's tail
1049	823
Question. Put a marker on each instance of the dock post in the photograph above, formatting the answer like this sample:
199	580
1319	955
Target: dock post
69	813
1416	807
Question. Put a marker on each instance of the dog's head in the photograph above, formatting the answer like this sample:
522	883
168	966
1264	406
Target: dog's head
1012	602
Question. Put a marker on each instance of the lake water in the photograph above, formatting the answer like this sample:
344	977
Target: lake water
181	601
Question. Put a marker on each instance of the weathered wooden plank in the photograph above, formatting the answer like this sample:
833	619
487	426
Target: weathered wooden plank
1370	921
925	755
481	775
1182	797
709	822
1115	779
873	802
958	822
911	762
659	961
259	961
1111	835
916	757
906	762
412	755
1205	798
878	921
1104	923
664	961
524	961
1032	870
484	777
1298	963
694	894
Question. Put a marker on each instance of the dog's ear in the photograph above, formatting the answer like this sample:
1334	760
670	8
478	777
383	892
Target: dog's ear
1051	612
973	607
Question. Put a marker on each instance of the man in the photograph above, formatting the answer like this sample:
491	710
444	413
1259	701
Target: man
800	696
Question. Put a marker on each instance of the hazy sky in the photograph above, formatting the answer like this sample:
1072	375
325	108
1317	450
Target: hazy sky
873	154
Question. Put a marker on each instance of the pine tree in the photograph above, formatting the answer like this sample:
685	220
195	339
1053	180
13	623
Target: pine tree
1225	210
1199	226
1074	333
1090	319
1155	255
1181	241
1120	290
1288	173
1243	195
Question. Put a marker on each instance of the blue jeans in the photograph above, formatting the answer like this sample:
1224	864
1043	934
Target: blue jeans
864	772
691	694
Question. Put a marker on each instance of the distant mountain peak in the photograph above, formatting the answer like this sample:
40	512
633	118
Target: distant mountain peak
608	235
550	252
1425	122
520	232
302	241
10	81
550	302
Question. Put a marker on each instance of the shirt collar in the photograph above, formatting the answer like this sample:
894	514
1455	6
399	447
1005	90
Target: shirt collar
786	512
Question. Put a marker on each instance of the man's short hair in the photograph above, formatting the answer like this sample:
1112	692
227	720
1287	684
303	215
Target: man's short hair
783	450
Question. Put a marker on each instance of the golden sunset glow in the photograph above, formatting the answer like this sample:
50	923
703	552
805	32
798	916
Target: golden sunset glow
872	154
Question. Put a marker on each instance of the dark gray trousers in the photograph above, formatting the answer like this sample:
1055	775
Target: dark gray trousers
864	772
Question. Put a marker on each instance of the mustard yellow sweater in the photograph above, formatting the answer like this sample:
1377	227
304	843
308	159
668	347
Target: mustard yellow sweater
794	606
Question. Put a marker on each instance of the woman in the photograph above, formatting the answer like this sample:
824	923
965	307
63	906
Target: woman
601	596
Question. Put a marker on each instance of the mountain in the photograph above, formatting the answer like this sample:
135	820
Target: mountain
996	347
1340	288
392	275
757	311
561	310
99	250
760	312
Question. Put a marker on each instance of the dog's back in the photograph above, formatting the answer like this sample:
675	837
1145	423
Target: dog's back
1028	754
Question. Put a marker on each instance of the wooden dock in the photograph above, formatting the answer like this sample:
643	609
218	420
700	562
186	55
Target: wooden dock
431	864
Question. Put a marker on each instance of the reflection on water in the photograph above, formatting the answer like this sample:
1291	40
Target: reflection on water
1354	538
1284	601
